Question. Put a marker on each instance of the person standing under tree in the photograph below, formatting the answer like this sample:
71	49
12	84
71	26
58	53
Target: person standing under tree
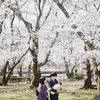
51	83
75	70
42	90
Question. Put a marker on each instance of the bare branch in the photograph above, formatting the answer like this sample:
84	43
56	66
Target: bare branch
47	15
62	8
19	15
97	8
1	26
11	25
44	1
24	4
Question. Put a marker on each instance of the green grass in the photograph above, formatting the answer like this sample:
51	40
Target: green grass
70	91
71	79
15	92
77	95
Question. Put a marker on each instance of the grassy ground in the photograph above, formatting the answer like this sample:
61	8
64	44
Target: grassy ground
70	91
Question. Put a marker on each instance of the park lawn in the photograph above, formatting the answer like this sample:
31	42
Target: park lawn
16	92
70	91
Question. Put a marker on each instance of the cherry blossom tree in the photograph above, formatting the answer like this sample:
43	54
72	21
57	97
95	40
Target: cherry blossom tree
51	30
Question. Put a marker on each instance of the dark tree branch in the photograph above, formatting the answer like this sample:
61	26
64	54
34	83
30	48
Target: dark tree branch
44	1
62	8
97	8
38	17
90	45
19	15
11	25
1	26
24	3
47	15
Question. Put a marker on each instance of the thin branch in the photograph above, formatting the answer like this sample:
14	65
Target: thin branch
24	4
39	6
47	15
84	6
36	2
81	19
39	16
44	1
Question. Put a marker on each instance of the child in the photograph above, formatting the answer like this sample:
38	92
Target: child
56	86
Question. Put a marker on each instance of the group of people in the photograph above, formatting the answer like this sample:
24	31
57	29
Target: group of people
54	88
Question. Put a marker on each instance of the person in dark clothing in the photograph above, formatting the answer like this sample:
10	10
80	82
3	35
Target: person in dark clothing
75	70
51	83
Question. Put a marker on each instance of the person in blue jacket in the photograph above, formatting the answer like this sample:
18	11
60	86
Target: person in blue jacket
51	83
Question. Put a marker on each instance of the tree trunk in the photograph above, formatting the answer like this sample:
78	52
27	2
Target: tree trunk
36	76
95	69
9	69
68	73
8	77
98	85
35	69
4	73
88	81
2	70
29	70
20	71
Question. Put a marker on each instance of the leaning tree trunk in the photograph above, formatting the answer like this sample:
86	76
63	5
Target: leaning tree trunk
35	69
88	81
6	78
4	73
